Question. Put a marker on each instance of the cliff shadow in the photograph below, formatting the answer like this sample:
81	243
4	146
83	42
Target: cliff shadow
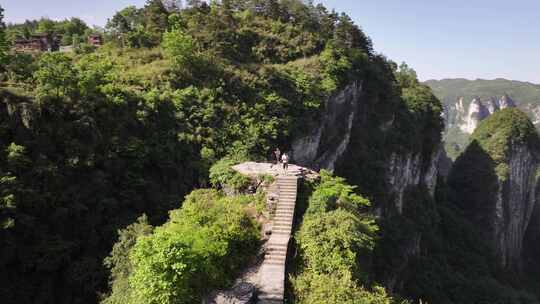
474	184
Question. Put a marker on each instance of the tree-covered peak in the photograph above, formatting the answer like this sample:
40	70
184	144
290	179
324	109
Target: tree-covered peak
504	128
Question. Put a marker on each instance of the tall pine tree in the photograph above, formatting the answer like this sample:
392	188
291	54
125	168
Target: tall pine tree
3	41
156	17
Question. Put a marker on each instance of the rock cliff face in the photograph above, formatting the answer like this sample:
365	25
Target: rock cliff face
496	181
514	205
346	115
324	147
405	170
467	118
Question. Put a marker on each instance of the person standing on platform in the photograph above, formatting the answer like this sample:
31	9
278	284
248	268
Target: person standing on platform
277	153
285	161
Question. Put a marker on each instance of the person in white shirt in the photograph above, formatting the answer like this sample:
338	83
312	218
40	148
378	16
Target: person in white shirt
285	161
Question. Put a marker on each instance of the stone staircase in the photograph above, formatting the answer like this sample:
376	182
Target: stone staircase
272	275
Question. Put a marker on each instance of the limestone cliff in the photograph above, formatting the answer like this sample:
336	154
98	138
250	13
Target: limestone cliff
496	182
467	118
326	144
514	205
355	134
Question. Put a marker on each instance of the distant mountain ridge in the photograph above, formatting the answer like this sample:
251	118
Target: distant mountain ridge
467	102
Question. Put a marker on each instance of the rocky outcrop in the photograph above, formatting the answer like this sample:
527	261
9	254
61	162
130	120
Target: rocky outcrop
405	170
325	145
514	205
467	118
496	183
477	112
345	115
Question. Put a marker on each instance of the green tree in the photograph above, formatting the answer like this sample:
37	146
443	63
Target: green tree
126	26
156	19
46	26
119	264
55	76
201	247
180	47
3	42
406	76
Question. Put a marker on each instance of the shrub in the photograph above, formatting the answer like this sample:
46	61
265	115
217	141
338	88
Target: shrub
223	176
336	235
201	247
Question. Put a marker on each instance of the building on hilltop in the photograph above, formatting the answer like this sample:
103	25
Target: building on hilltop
37	43
95	40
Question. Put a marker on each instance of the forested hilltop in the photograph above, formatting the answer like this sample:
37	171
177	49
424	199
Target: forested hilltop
485	96
115	163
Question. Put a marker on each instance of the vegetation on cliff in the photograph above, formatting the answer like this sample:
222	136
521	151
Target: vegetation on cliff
502	131
201	247
335	243
91	140
468	201
449	91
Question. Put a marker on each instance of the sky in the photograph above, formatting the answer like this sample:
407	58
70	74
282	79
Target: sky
438	38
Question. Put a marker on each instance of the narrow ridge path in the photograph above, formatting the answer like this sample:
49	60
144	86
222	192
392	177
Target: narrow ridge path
272	275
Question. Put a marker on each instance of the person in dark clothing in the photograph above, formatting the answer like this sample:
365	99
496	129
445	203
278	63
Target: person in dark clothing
277	153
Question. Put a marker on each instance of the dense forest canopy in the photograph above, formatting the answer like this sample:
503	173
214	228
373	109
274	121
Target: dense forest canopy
100	148
93	139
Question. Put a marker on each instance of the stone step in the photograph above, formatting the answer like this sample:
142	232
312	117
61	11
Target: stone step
287	223
281	232
276	256
286	205
274	296
275	263
276	249
270	294
289	198
270	301
281	227
281	258
284	214
289	209
282	220
278	246
285	209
